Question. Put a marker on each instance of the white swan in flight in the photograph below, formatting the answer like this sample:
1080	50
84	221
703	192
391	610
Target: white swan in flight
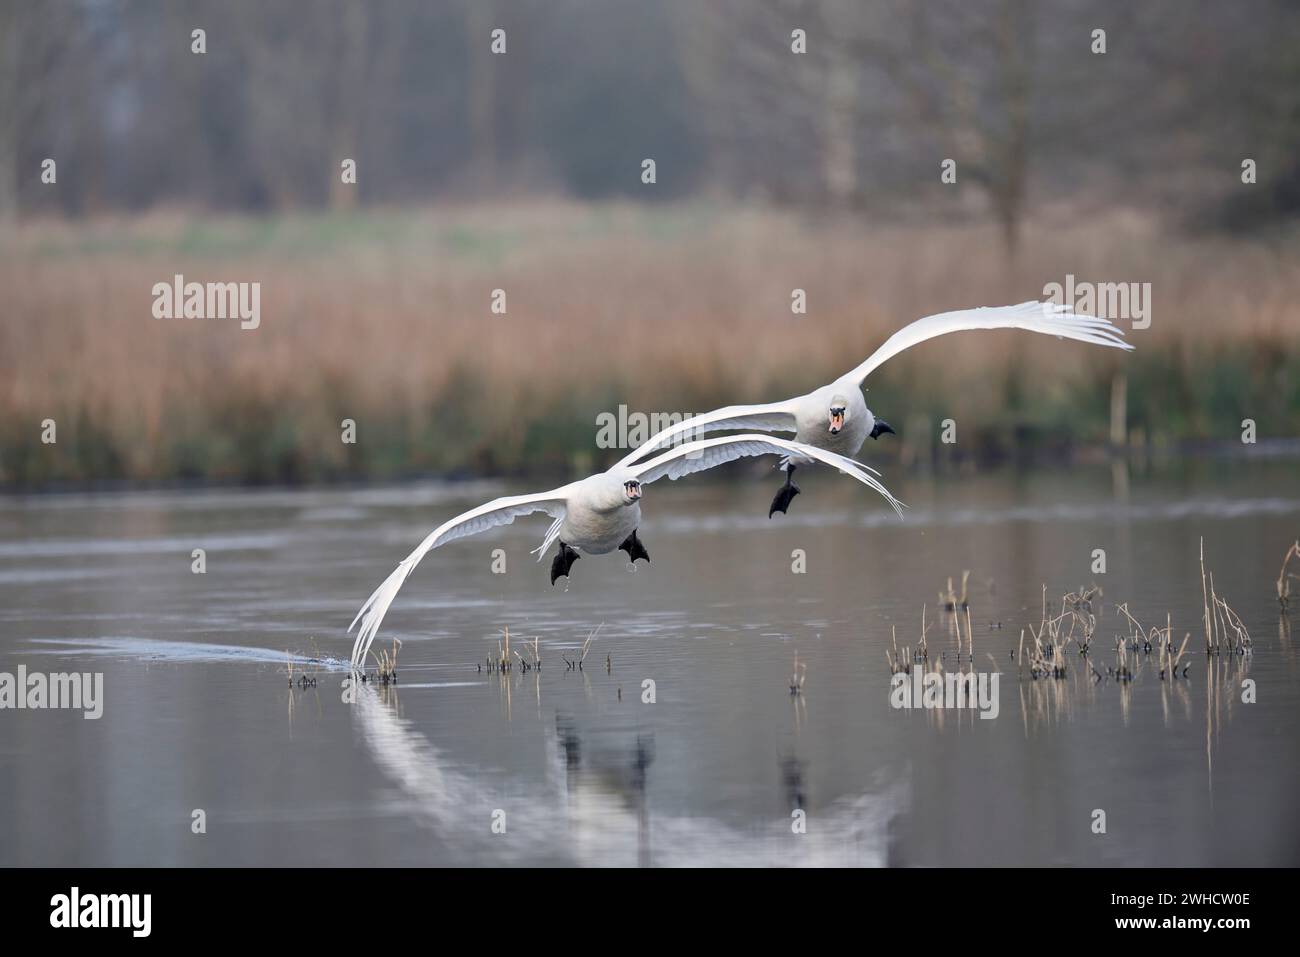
836	418
597	514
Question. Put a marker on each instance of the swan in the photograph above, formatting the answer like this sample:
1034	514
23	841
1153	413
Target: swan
597	514
835	417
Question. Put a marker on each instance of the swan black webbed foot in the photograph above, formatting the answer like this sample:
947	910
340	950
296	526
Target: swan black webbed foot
784	495
632	545
562	562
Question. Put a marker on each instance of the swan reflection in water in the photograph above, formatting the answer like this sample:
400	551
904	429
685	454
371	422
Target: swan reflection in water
592	808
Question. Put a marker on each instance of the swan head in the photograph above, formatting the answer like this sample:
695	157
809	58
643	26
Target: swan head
839	413
617	488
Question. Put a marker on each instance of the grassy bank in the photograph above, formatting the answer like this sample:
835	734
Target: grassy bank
384	318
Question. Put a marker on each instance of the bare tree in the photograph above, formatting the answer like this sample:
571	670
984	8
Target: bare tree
35	43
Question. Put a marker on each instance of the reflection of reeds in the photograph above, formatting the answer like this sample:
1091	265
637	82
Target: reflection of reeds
1205	600
1224	677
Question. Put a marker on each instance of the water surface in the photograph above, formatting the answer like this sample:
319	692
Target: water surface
199	714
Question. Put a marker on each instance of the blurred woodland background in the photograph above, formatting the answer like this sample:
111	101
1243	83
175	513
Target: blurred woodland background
522	171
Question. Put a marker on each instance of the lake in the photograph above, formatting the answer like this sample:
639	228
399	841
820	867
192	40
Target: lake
680	740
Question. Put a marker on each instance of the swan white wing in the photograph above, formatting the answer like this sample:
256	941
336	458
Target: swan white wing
500	511
1045	317
705	454
549	538
773	417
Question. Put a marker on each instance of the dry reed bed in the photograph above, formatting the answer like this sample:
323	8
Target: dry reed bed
384	319
1060	677
1044	655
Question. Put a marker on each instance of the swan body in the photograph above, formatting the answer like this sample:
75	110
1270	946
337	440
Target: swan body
597	514
835	417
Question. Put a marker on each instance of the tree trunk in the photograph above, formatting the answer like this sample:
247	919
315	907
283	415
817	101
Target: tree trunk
10	46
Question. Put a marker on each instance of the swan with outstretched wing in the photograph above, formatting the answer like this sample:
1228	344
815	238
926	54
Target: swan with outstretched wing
836	418
596	515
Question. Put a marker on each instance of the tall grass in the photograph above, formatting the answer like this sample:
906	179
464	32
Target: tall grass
383	317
